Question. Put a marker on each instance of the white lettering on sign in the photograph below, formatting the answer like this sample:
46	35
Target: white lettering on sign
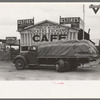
26	21
49	29
21	24
69	20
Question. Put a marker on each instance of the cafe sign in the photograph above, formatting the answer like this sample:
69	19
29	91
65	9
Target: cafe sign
49	33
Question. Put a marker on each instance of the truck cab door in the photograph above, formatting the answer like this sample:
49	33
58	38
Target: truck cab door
31	56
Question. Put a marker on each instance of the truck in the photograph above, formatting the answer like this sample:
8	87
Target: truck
65	55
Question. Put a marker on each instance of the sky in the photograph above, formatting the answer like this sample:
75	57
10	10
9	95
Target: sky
11	12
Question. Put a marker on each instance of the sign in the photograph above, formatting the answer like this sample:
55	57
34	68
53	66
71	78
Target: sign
95	8
69	20
75	22
11	40
21	24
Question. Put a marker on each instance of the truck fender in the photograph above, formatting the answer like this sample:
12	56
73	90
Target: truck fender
20	57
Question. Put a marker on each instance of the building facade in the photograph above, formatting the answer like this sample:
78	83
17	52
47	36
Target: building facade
46	31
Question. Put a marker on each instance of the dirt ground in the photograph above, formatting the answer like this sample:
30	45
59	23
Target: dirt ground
9	72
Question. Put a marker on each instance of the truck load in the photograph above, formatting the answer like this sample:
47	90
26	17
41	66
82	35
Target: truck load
66	49
65	55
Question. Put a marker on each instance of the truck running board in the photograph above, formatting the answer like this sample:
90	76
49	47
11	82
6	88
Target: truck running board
41	65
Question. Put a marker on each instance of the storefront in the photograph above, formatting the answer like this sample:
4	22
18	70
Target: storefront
45	31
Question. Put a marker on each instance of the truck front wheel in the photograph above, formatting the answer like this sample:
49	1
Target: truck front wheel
60	65
19	64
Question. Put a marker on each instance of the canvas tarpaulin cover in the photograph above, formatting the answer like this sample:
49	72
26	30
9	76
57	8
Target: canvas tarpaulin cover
66	49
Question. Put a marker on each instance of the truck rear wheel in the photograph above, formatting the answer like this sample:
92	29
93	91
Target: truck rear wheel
19	64
67	66
60	65
73	64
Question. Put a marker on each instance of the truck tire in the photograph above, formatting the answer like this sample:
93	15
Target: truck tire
19	64
73	64
60	65
67	66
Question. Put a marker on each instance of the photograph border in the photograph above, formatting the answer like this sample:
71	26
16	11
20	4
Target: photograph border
51	1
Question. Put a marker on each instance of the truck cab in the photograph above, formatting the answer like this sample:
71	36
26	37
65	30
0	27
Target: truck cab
26	58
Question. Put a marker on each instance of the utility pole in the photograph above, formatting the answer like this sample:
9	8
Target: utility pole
19	46
59	20
83	20
10	52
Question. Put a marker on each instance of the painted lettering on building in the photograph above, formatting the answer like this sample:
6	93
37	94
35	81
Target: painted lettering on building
37	38
49	33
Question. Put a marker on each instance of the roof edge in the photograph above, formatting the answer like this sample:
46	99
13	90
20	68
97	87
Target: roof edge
43	22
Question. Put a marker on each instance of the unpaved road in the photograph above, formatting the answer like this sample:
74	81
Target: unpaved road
9	72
